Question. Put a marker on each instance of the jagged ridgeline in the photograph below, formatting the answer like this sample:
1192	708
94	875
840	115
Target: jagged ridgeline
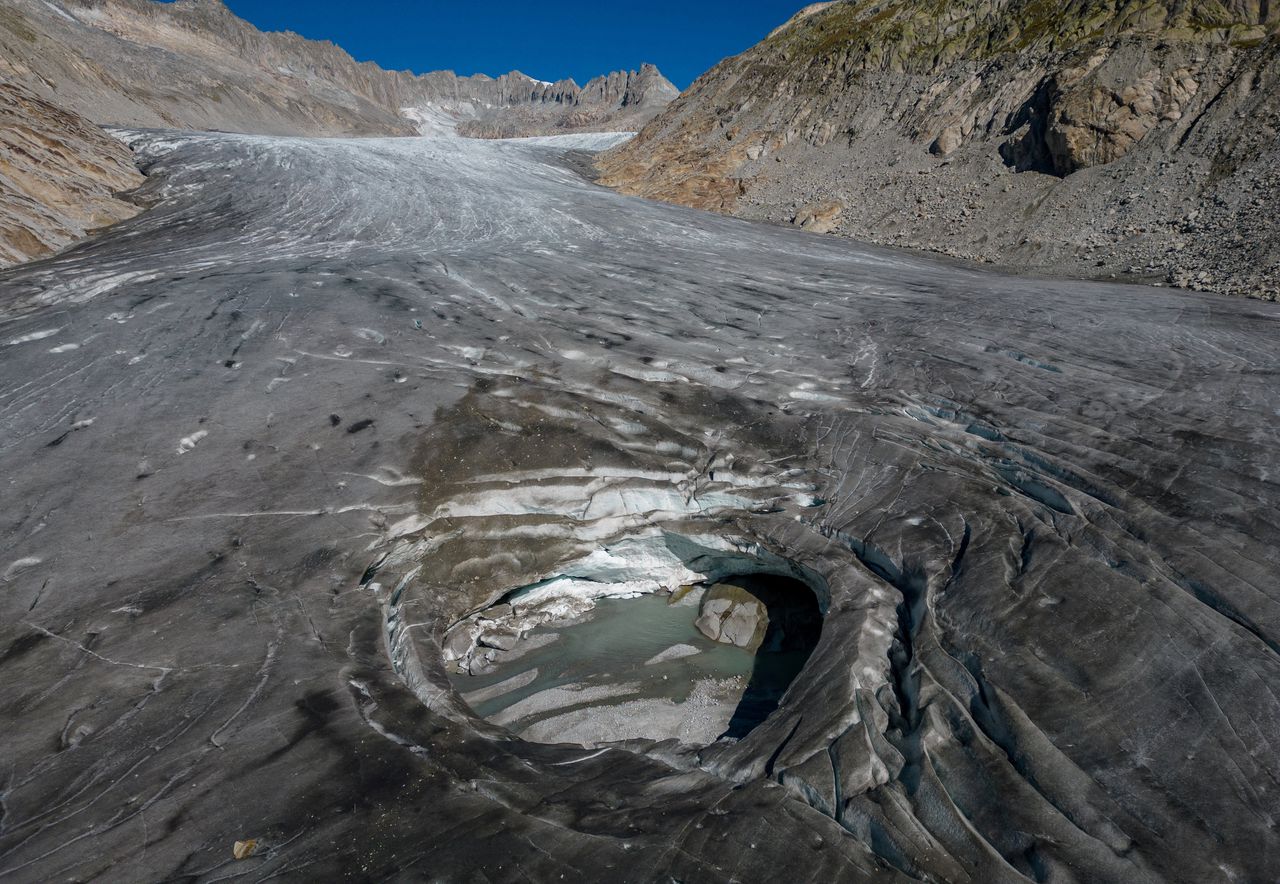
193	64
1132	139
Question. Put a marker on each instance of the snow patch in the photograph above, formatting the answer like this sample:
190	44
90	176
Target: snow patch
32	336
60	12
675	652
20	565
439	119
187	443
812	396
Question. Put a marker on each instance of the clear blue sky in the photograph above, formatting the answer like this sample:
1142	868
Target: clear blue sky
543	38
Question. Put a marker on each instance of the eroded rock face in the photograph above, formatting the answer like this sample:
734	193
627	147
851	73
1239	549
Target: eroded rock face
59	177
982	130
1097	115
1092	127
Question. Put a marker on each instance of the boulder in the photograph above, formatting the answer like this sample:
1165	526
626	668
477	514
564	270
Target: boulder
732	615
459	641
819	218
742	624
712	614
499	639
948	140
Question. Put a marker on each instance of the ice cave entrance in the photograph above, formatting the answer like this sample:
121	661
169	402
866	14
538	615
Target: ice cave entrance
698	664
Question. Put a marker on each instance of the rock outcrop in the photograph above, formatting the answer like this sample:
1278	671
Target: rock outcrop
193	64
1114	139
59	176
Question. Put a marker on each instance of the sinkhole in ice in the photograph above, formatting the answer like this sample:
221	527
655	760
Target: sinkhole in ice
697	662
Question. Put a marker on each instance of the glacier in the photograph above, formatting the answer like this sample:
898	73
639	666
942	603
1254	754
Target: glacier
264	445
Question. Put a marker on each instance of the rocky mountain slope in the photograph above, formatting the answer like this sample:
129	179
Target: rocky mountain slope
1110	138
193	64
58	176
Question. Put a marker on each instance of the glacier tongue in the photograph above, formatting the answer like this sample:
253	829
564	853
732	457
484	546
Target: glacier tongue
329	399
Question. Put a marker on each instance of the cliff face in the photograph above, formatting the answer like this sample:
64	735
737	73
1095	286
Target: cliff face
193	64
58	176
1133	139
